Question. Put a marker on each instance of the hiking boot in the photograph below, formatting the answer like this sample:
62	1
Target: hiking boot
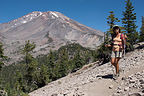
120	71
115	77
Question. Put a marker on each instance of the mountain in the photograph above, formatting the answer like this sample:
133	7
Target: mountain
95	80
49	30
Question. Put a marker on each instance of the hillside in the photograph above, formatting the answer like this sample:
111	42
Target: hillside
94	80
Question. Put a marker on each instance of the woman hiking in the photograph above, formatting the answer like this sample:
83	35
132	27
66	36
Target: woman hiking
118	43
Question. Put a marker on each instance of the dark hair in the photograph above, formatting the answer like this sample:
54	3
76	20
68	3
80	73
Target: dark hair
114	34
116	27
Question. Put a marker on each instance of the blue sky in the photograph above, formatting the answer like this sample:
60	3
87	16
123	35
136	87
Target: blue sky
92	13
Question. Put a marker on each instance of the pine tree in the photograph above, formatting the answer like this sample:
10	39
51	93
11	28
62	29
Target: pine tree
56	75
63	62
51	65
141	39
26	51
31	66
43	76
19	85
111	21
50	60
78	60
128	22
2	56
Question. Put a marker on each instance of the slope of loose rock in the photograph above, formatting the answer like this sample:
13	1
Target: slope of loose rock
97	80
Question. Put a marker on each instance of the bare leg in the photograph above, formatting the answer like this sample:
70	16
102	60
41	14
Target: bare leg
117	65
114	62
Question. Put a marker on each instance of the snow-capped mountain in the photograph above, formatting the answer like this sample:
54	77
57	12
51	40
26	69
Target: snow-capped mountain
21	20
49	30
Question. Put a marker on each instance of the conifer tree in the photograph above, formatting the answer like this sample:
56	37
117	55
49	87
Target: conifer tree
128	22
50	60
78	60
63	62
141	39
43	76
19	85
31	66
111	21
26	51
51	65
2	56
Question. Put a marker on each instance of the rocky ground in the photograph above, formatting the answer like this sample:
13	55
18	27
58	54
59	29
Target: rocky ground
94	80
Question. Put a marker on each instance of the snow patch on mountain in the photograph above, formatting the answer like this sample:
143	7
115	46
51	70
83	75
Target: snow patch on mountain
24	21
26	18
54	14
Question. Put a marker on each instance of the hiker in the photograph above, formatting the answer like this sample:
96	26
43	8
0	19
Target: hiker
118	45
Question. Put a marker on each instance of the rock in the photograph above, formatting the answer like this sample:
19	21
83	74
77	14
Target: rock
119	88
141	81
142	90
76	89
91	80
123	78
134	94
119	91
132	81
122	83
142	86
111	86
126	89
115	94
61	95
54	94
66	92
99	78
134	86
130	77
3	93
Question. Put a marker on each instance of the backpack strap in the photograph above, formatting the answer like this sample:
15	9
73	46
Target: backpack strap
122	36
123	43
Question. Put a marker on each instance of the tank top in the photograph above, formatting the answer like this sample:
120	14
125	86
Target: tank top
117	43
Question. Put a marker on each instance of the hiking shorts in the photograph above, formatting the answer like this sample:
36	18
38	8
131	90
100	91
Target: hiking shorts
116	54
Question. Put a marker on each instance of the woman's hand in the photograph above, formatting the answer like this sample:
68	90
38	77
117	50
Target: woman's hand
107	45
